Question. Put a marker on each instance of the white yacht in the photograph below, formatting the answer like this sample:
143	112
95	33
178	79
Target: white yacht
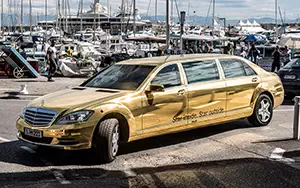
98	18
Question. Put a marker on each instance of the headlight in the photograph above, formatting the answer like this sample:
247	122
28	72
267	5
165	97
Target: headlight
75	117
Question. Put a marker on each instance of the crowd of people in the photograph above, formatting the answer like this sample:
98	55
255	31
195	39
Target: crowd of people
280	57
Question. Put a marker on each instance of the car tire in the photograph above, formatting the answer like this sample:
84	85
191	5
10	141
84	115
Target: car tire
106	140
263	111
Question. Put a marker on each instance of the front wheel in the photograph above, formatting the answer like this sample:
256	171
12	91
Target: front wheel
263	111
106	140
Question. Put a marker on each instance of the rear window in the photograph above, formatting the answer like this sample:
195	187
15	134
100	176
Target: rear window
233	68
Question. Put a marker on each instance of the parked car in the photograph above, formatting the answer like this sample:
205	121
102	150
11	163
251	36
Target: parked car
142	98
290	77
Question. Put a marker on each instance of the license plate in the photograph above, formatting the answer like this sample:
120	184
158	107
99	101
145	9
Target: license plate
33	133
289	77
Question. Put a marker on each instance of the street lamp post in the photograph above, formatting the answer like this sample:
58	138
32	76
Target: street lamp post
182	20
213	18
276	21
134	18
168	24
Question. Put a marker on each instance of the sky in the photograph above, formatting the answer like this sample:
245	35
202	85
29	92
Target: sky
231	9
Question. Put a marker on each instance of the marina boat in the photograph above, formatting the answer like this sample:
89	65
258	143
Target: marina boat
97	16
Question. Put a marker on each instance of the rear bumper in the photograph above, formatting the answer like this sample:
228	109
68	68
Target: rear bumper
291	88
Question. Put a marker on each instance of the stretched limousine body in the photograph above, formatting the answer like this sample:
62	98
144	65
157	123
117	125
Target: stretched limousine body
142	98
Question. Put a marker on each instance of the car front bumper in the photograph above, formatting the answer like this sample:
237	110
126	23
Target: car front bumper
291	87
69	137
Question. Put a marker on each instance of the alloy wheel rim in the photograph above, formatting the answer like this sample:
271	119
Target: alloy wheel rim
264	111
115	141
18	72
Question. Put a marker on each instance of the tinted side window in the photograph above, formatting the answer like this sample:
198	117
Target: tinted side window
201	71
233	68
168	77
249	70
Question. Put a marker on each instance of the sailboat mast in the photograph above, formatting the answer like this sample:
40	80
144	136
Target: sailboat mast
81	12
172	11
66	16
122	15
213	18
2	17
15	17
63	14
168	24
276	21
189	10
94	37
156	10
107	4
134	17
57	14
22	13
46	15
30	16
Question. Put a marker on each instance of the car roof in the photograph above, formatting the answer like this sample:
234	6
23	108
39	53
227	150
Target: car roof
172	58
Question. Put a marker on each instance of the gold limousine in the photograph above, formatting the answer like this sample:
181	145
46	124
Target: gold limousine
142	98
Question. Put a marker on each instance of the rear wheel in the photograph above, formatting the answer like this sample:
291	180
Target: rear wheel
106	140
263	111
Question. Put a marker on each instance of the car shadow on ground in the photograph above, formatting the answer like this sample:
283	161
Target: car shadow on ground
234	173
182	137
31	81
13	153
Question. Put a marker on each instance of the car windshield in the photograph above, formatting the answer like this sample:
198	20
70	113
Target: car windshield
293	63
121	77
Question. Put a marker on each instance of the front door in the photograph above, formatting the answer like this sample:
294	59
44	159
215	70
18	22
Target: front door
242	82
168	109
207	92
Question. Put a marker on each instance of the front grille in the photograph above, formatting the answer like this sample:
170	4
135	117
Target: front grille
39	117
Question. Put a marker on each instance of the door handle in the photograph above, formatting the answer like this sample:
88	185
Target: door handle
181	92
254	79
231	93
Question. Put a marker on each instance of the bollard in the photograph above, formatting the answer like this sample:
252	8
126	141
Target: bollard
24	90
297	118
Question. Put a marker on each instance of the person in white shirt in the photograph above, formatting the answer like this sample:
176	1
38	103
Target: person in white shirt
51	58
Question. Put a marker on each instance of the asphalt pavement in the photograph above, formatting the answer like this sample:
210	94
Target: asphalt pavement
228	155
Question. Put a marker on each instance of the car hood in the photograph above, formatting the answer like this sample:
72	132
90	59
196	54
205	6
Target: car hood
72	98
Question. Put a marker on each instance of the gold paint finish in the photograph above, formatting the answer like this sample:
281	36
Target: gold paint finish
151	113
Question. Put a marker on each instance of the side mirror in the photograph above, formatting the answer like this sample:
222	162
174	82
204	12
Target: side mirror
157	88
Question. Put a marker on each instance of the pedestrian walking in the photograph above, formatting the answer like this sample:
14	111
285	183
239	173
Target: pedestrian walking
276	59
51	58
253	53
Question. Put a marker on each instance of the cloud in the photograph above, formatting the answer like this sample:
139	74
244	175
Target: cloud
237	9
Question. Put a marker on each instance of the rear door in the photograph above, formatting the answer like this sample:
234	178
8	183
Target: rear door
206	91
241	81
